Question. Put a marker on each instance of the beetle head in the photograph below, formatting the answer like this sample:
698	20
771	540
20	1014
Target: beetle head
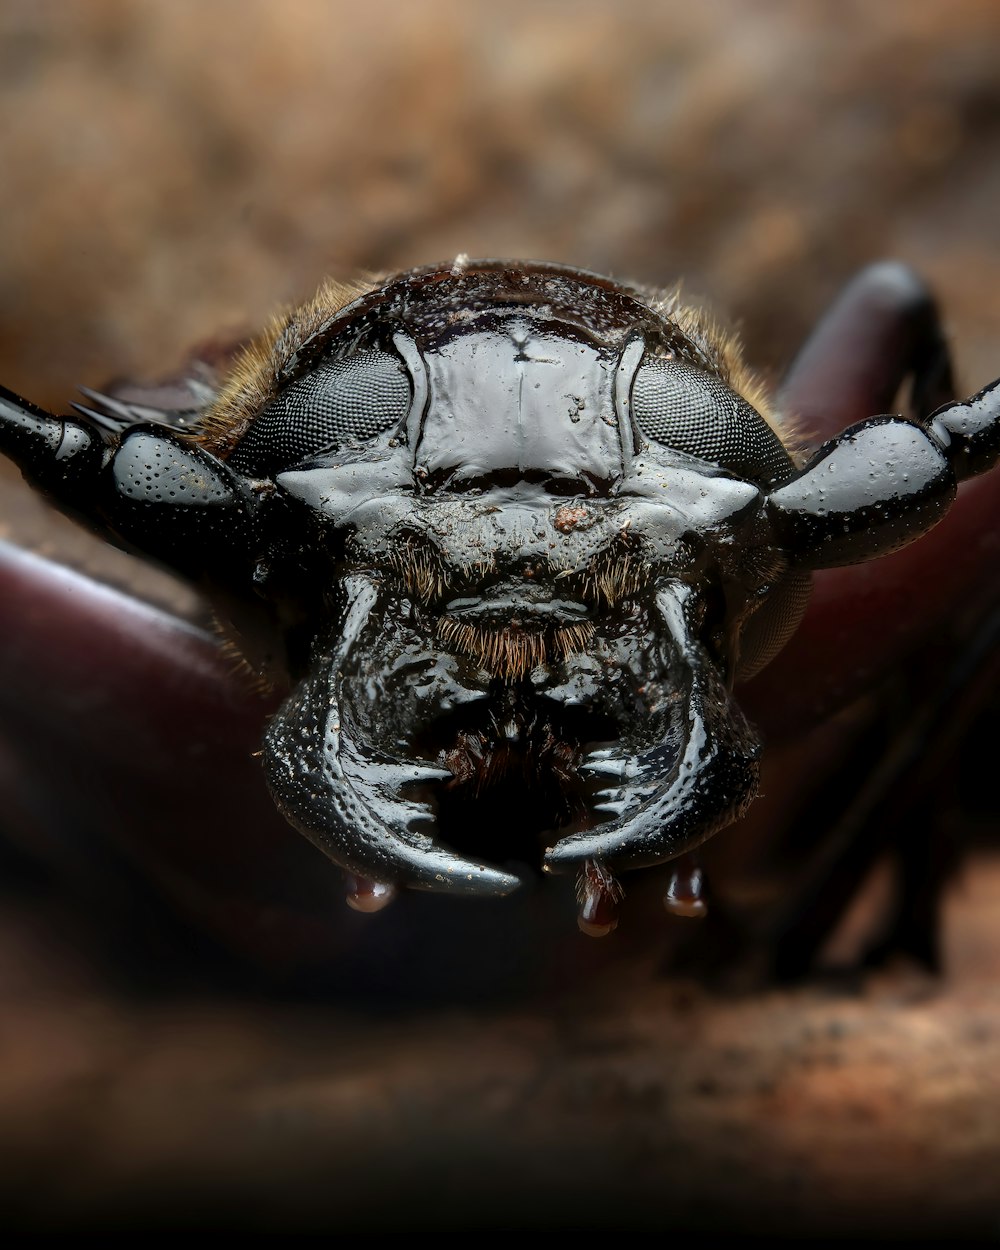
517	520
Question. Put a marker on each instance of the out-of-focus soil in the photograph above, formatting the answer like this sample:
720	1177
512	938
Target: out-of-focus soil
171	170
846	1107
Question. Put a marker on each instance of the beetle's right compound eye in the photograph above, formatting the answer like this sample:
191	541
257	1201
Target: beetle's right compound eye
344	401
687	409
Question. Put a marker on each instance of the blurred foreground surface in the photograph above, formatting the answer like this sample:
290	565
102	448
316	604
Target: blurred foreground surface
840	1108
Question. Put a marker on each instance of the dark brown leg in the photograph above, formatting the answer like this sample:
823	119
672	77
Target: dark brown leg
883	329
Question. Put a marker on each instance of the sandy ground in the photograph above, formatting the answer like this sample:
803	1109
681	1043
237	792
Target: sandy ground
170	172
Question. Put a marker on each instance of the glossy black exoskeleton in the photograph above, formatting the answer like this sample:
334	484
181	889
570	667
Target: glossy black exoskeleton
501	520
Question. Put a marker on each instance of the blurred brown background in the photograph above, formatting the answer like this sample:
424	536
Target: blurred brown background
172	169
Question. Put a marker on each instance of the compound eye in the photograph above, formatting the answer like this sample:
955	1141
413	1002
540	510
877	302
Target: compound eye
685	408
344	401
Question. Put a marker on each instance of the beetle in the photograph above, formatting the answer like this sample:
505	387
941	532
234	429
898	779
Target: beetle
517	529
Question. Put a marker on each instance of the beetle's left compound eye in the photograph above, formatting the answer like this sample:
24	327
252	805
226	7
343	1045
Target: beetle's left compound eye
689	410
343	401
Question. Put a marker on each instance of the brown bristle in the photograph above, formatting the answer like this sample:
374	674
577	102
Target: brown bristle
599	894
253	381
257	682
475	761
612	577
512	651
509	652
572	638
532	752
421	570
